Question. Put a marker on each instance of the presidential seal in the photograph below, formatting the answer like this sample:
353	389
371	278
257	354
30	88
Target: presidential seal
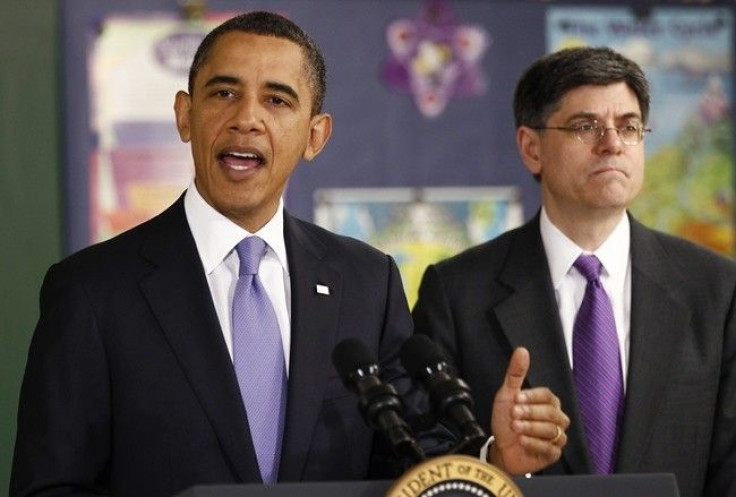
454	476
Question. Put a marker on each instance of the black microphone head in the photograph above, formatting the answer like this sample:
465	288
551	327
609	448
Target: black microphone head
350	355
379	403
418	353
450	396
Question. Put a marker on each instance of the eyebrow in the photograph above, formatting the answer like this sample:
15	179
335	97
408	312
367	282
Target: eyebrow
271	85
221	79
283	88
590	115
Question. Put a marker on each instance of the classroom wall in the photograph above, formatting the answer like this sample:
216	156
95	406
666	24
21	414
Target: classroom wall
33	146
30	203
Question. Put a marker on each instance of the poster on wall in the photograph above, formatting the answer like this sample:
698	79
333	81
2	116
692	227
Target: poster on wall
138	166
419	226
687	55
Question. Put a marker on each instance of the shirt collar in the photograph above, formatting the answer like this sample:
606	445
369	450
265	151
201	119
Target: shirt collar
562	252
216	236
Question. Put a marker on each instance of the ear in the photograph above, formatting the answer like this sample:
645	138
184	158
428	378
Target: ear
528	141
182	106
320	129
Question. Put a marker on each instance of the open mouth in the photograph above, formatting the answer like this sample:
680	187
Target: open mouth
241	161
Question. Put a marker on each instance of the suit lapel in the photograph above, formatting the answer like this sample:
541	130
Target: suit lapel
658	322
529	318
314	318
179	296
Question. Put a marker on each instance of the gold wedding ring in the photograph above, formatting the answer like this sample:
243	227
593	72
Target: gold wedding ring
557	437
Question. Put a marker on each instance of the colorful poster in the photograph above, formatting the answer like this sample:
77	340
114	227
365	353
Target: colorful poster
687	55
419	226
138	165
435	58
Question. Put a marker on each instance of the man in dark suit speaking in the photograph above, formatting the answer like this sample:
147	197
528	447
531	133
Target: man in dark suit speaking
634	330
195	348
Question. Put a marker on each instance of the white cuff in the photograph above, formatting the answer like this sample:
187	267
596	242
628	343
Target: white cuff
486	447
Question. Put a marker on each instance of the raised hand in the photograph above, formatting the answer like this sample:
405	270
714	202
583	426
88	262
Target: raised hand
528	425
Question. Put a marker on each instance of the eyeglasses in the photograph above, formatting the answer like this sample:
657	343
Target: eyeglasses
591	133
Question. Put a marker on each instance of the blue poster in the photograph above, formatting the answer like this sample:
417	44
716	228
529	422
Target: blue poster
419	226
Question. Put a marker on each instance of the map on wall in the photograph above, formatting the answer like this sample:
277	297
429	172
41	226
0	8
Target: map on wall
687	55
419	226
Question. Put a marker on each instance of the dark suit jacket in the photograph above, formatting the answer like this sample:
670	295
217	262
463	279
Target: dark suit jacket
129	388
680	413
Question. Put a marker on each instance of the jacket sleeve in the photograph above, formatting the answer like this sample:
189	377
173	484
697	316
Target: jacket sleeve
63	438
721	477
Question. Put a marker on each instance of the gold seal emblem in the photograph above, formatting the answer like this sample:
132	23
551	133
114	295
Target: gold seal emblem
455	476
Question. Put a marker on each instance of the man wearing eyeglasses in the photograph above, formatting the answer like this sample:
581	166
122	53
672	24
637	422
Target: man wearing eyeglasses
632	329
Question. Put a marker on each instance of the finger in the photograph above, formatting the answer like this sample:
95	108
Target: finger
538	395
543	448
548	433
517	369
559	438
541	413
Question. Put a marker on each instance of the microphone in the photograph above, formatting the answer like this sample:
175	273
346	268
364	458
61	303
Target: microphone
379	403
449	395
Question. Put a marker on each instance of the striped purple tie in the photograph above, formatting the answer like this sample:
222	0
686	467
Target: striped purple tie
258	356
597	369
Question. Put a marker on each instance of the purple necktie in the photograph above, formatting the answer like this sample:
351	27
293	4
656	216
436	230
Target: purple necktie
258	356
597	369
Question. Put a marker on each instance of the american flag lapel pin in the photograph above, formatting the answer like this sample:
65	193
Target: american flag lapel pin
323	289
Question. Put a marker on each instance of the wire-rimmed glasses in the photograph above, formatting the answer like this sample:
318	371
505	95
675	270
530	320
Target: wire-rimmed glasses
592	132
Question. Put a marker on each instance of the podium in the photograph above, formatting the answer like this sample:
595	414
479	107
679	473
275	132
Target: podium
622	485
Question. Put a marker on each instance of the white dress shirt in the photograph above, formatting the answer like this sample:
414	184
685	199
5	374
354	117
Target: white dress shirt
569	284
216	237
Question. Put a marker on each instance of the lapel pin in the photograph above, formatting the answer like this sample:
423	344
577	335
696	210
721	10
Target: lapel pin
323	290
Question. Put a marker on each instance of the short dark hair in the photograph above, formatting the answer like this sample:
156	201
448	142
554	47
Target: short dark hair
270	24
546	81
